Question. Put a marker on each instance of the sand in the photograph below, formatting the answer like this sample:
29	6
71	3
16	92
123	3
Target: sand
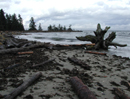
107	72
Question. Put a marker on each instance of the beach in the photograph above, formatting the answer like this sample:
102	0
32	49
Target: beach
106	73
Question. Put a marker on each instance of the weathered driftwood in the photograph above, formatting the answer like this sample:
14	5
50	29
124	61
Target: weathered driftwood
120	94
9	43
90	38
81	89
99	53
27	52
22	87
79	62
98	39
50	60
10	67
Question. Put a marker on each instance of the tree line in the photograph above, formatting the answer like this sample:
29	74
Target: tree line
51	28
59	28
10	22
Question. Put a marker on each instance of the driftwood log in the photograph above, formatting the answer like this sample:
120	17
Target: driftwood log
98	39
120	94
50	60
81	89
22	87
27	52
79	62
98	53
13	66
15	50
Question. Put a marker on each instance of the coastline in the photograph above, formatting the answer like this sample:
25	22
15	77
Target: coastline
106	73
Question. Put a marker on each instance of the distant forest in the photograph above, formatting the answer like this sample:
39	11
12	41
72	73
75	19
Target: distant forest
10	22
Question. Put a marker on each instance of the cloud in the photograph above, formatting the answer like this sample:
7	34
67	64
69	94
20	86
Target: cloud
5	4
82	18
17	2
81	14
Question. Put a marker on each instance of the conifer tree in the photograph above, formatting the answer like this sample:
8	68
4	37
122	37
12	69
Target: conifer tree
50	28
69	29
32	25
8	22
40	28
15	24
64	28
20	21
2	20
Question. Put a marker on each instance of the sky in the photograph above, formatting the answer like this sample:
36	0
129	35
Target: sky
81	14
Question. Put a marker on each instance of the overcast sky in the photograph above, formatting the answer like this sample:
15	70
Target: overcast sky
81	14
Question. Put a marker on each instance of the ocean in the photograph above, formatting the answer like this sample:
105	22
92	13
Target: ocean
122	37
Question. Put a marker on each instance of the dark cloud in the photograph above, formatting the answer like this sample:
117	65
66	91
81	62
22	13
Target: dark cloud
17	2
100	3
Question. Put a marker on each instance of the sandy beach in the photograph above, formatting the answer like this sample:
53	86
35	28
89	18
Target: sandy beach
107	72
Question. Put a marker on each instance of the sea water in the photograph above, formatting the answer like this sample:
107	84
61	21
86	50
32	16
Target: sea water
122	37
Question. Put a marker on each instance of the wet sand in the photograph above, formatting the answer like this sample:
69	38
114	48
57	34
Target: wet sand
107	72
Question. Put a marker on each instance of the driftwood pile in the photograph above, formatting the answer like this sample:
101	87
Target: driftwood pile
9	41
98	39
12	45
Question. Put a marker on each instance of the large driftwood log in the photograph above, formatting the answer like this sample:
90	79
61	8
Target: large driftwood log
15	50
79	62
81	89
98	39
21	88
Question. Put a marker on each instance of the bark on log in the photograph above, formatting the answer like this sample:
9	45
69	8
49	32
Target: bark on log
21	88
120	94
90	38
81	89
79	62
43	63
99	53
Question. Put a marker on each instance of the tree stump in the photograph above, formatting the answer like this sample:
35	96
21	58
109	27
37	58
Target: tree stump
98	39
